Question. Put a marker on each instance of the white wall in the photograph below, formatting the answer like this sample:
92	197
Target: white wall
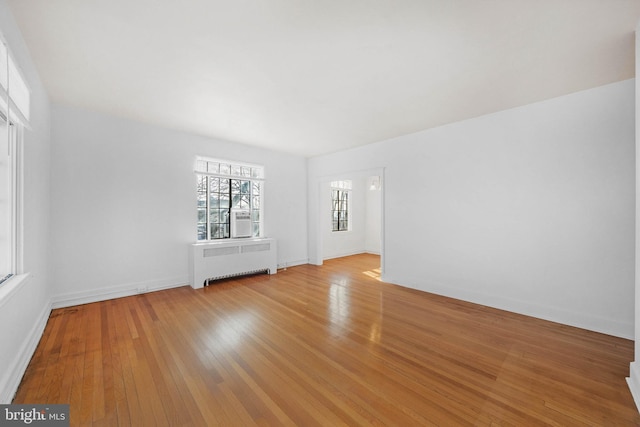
23	315
124	203
634	372
373	220
529	209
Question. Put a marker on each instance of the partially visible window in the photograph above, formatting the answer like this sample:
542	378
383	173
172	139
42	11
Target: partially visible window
223	186
340	193
14	113
10	188
12	83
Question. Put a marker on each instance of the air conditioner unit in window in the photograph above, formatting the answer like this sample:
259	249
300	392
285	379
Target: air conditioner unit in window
240	223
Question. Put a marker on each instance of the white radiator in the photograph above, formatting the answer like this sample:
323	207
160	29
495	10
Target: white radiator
228	258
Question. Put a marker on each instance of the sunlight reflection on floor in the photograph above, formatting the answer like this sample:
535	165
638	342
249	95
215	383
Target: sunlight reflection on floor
375	274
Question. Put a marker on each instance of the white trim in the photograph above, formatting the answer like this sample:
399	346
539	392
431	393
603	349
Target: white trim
544	312
11	382
219	175
633	380
344	254
230	163
18	106
11	286
17	226
288	264
112	292
227	161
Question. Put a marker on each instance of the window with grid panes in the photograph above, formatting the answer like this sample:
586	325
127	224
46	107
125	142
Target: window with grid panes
340	192
14	117
223	186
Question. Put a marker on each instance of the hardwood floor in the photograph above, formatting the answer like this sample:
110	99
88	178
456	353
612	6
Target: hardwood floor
323	346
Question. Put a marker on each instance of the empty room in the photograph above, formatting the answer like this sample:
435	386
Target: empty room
318	213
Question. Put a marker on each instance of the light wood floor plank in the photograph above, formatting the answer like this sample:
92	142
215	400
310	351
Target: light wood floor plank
317	346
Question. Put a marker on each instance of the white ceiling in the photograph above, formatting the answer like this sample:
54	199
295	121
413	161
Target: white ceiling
313	77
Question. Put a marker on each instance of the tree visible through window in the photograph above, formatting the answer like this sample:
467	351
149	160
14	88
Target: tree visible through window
340	191
223	186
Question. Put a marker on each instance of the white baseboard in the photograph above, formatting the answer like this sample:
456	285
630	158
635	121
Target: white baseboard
10	386
634	382
342	255
579	320
288	264
103	294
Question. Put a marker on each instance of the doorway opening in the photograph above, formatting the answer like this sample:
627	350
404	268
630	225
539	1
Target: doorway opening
350	215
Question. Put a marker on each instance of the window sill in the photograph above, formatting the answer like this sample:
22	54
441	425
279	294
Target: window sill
11	286
231	239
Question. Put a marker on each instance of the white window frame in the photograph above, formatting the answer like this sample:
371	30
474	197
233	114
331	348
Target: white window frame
231	170
15	198
15	100
344	186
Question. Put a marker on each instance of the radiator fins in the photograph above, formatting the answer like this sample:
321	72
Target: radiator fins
229	276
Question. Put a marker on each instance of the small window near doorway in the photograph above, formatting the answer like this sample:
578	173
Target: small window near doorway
340	204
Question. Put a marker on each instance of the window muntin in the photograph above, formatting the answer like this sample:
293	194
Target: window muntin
340	194
223	186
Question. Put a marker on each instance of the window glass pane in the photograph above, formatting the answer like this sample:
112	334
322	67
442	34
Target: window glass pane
245	187
214	184
235	170
346	184
213	167
202	231
225	168
202	183
224	201
224	186
202	200
6	203
256	229
340	207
